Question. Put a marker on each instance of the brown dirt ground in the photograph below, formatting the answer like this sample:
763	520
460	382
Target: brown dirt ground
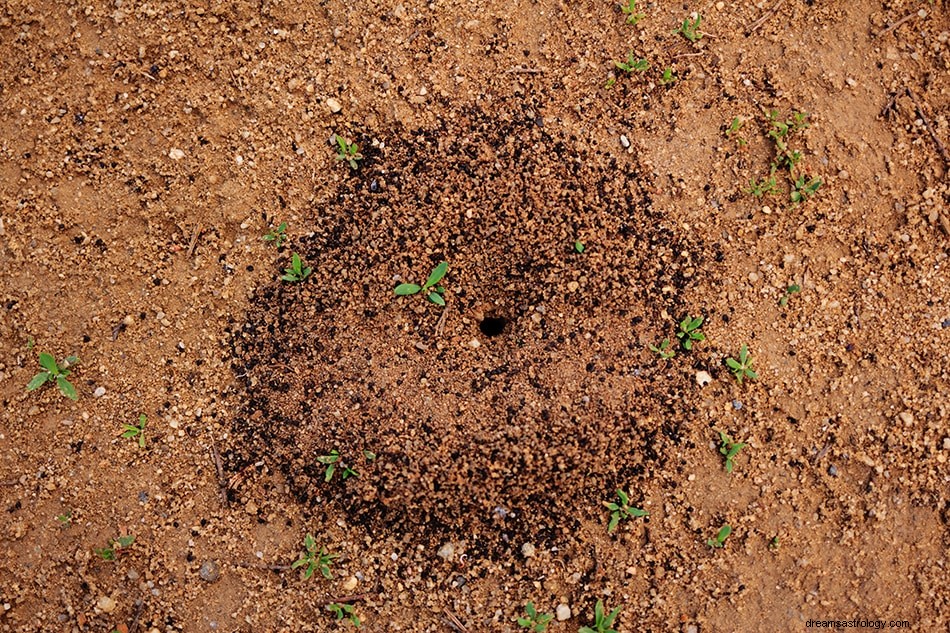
147	147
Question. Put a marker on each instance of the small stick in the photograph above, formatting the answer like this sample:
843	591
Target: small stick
893	26
440	325
454	621
138	614
9	482
222	482
933	135
765	16
238	563
194	240
526	71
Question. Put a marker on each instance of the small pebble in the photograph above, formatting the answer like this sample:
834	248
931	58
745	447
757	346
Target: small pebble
563	612
99	392
945	324
447	551
210	571
350	583
946	443
906	417
106	604
703	378
736	405
624	141
833	471
692	628
572	286
528	550
334	105
176	154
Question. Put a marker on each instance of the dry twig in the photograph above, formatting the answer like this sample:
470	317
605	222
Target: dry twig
765	16
454	621
893	26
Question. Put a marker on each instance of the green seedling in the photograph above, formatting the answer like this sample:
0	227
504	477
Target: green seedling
349	152
296	272
633	64
333	460
535	622
733	131
55	372
430	288
803	188
602	623
774	544
742	368
729	449
766	186
622	510
690	28
610	83
30	342
136	430
65	519
114	548
630	10
341	610
689	332
788	293
664	350
579	247
277	235
667	77
369	455
721	536
314	559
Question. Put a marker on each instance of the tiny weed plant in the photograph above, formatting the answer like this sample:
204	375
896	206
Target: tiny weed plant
430	288
312	559
341	611
55	372
729	449
622	510
804	188
632	12
297	272
742	368
348	152
633	64
114	548
765	187
732	132
689	332
535	622
774	544
667	77
690	28
579	247
720	541
65	519
332	461
788	293
664	350
30	343
136	431
277	236
602	623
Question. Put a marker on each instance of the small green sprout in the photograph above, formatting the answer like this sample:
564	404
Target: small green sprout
689	332
690	28
602	623
788	293
664	350
30	342
114	548
633	64
729	449
579	247
435	295
630	10
721	536
331	461
667	77
53	371
774	544
341	610
314	559
733	131
803	188
536	622
766	186
136	430
742	368
66	518
622	510
277	235
349	152
369	455
296	272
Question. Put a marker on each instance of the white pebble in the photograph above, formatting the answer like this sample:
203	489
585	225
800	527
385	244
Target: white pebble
528	550
563	612
334	105
624	141
176	154
106	604
99	392
703	378
447	551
